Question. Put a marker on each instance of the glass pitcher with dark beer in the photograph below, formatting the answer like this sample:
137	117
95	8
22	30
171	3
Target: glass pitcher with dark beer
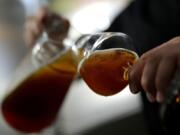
38	89
39	86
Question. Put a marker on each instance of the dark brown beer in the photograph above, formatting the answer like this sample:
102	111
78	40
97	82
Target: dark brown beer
106	71
34	103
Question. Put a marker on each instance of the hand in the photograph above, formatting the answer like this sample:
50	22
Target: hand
155	69
44	20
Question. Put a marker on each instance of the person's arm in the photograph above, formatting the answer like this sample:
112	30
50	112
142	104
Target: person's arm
155	69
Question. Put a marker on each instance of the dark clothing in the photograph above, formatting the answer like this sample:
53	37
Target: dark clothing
149	23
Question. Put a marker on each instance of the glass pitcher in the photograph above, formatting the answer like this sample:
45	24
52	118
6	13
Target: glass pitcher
39	86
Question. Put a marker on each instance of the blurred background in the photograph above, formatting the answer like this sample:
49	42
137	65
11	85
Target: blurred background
83	112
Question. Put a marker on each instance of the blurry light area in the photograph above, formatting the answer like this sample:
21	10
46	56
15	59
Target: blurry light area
97	16
86	16
12	48
92	18
31	6
83	109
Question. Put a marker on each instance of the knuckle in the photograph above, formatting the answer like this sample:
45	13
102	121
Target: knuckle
176	38
132	75
133	82
144	56
145	83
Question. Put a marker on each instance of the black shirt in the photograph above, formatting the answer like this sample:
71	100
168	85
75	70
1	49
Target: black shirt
149	23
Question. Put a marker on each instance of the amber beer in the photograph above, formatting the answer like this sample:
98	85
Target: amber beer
34	103
106	71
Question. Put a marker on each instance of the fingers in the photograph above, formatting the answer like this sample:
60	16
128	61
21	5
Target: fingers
135	77
148	78
142	76
32	31
42	13
155	69
164	75
34	26
56	26
152	75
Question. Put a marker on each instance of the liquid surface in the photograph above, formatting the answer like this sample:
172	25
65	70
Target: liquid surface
106	72
34	104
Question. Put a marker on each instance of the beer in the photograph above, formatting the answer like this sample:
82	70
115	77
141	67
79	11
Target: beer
106	71
34	103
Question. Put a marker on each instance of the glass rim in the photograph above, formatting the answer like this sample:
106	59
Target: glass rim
106	50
